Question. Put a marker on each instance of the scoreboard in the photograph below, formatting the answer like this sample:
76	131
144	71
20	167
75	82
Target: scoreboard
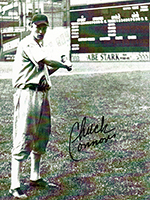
110	32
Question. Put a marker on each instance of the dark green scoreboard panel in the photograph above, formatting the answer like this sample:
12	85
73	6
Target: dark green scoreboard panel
110	32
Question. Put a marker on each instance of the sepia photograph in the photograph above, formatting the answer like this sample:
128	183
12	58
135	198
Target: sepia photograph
75	99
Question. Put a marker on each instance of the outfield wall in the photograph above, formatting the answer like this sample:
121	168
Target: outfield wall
85	68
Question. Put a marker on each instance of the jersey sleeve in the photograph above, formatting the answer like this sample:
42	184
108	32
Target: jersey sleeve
34	52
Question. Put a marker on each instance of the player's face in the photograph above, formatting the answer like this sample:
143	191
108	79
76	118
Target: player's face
39	31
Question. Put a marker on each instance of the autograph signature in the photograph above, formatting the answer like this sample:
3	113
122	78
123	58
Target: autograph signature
83	132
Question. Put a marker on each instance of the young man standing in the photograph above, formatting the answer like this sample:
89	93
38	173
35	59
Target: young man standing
32	118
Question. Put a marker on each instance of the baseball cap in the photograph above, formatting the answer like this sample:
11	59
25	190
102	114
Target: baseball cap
40	19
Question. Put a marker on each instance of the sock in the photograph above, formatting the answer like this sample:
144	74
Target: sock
35	167
15	173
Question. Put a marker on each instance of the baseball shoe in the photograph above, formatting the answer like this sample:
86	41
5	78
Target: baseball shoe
42	183
17	192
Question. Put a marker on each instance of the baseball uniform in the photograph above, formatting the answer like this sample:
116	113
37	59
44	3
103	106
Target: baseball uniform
32	123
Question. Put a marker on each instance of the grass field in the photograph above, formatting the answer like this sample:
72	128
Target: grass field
117	169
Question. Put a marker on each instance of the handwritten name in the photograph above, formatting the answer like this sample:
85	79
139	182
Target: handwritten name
83	132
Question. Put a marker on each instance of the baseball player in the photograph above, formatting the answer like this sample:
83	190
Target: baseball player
32	117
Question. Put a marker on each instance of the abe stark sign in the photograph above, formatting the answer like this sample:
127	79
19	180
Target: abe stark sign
96	57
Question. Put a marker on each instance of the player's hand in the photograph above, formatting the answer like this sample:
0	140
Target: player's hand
66	62
69	68
68	65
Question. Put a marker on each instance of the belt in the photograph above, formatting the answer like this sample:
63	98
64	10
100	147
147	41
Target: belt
37	87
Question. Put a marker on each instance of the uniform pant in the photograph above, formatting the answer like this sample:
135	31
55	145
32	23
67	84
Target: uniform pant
32	123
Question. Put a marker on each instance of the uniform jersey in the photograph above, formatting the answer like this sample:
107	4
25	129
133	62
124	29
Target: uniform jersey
26	69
